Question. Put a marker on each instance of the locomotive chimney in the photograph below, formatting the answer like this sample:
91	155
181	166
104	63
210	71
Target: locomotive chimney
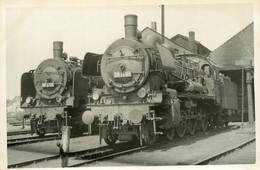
192	45
57	49
131	26
153	26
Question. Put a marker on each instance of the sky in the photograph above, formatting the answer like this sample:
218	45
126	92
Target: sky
30	31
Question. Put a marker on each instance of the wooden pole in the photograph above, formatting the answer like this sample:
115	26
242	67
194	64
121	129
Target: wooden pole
66	130
242	97
23	123
89	129
249	94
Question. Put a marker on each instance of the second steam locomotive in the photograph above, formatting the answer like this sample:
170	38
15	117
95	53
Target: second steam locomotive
55	94
150	91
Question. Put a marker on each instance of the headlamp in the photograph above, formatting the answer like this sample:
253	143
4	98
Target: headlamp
96	95
59	98
29	100
142	93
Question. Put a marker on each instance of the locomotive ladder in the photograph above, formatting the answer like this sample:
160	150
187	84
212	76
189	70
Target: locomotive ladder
153	118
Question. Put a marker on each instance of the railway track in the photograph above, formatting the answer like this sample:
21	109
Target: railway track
31	139
86	157
35	139
105	153
223	153
26	163
78	155
18	132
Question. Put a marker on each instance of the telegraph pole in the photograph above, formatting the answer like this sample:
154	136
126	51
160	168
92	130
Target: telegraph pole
162	21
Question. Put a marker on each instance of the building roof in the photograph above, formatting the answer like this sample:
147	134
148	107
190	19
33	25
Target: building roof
239	48
187	39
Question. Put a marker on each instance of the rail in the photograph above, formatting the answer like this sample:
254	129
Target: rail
18	132
223	153
31	139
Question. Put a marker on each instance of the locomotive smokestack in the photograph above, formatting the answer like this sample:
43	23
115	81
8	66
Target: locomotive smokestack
153	26
131	26
57	49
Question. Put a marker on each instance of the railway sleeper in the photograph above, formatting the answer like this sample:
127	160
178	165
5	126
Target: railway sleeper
96	154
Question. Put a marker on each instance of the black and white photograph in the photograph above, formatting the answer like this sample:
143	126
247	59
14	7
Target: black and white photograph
128	84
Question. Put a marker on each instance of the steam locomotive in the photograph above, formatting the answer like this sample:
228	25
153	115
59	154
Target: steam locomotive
150	91
55	94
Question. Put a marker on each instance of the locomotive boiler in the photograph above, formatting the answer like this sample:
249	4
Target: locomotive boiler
54	94
151	92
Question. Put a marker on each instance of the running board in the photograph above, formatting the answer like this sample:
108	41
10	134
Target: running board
155	118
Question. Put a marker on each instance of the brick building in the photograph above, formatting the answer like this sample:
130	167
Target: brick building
190	43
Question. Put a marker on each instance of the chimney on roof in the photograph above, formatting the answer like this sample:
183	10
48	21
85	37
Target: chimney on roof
192	45
154	26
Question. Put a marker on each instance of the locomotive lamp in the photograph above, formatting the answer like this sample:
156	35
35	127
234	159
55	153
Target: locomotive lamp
59	99
142	93
29	100
96	95
88	117
136	116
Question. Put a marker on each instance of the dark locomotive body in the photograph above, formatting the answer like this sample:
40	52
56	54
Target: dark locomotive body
150	91
55	94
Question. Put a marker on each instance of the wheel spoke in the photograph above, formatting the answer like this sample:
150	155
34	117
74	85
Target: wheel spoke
204	124
170	134
192	125
181	129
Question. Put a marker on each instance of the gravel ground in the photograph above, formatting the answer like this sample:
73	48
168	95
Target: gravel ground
27	152
245	155
11	128
179	152
22	136
187	151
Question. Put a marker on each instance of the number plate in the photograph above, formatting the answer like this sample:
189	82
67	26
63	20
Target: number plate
47	84
122	74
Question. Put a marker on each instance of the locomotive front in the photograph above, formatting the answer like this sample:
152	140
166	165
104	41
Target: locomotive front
51	78
125	65
48	93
